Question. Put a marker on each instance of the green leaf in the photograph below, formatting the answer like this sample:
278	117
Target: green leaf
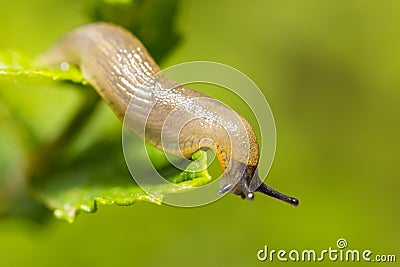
84	189
14	64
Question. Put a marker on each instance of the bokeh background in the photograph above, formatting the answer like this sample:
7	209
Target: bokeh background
330	72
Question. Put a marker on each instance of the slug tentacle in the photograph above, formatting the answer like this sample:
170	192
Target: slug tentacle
124	74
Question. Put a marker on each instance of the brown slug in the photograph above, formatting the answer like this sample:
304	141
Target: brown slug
120	69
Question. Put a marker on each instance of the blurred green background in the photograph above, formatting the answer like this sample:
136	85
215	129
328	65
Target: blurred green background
329	70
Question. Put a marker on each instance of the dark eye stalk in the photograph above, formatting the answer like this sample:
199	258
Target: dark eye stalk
265	189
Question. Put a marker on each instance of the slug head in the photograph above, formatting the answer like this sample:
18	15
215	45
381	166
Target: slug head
248	183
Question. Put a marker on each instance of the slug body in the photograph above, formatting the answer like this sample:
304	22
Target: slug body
121	70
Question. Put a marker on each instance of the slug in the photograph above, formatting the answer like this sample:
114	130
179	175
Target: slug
121	70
